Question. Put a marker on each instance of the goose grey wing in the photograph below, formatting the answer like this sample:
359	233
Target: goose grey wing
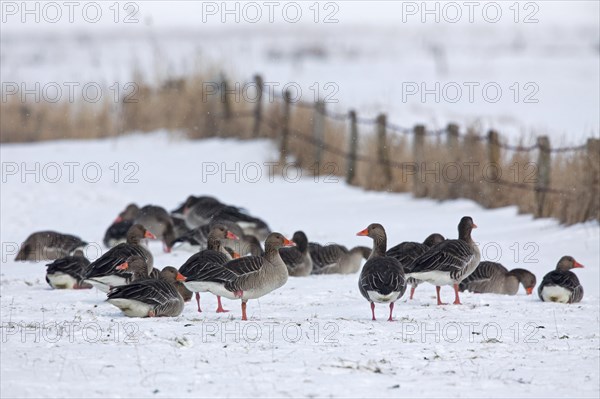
245	265
447	256
383	275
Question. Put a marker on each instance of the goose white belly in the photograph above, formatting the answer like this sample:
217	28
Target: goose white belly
130	307
105	282
555	293
61	280
375	296
203	286
434	277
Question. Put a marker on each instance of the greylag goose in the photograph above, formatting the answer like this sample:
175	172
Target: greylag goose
449	262
336	259
68	272
252	277
198	211
562	285
137	269
297	259
382	277
493	278
406	252
150	297
203	269
117	233
197	239
49	245
103	273
159	222
128	214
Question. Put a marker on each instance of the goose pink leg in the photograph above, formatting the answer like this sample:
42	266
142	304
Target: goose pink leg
198	301
439	299
220	307
456	298
373	310
391	310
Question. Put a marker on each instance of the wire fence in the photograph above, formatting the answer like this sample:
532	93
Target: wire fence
490	148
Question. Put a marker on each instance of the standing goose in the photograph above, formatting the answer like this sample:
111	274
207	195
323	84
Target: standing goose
382	277
336	259
406	252
68	272
204	269
493	278
103	273
449	262
49	245
150	297
252	277
562	285
157	220
297	259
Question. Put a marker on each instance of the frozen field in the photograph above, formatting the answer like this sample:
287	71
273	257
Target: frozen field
311	338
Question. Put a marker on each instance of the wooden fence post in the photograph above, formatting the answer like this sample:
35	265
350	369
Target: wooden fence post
258	80
491	171
285	128
351	168
419	187
543	175
318	132
383	150
453	152
226	107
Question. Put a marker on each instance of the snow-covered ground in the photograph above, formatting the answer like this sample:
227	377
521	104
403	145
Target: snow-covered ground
521	78
314	336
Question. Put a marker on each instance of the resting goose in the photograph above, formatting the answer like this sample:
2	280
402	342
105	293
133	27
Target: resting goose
157	220
150	297
406	252
203	269
449	262
103	273
68	272
336	259
297	259
49	245
382	277
197	239
562	285
117	233
128	214
493	278
252	277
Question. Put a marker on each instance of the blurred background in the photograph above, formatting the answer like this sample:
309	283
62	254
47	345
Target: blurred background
374	52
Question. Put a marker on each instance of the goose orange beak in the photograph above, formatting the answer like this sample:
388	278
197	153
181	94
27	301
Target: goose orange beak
577	264
529	290
123	266
288	243
118	219
232	236
474	226
180	277
236	255
364	232
149	235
